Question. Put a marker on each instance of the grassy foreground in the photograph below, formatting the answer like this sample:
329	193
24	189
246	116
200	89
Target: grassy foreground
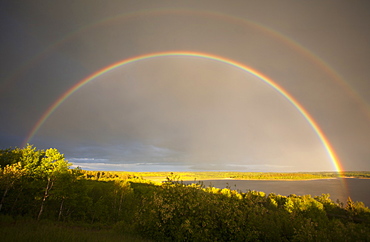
27	229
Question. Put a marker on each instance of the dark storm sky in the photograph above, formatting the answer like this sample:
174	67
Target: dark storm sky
188	113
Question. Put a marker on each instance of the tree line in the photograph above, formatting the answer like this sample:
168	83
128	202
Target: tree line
40	184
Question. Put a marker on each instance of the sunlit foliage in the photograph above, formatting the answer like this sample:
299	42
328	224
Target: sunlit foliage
39	184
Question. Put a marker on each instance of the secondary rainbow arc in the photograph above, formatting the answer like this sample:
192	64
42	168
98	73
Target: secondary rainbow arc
238	20
324	140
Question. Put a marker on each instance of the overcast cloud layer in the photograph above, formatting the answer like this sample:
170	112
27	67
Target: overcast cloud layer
188	113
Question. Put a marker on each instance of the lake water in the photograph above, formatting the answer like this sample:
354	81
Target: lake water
340	188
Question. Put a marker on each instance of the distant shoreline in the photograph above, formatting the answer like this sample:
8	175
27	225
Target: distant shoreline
251	179
248	179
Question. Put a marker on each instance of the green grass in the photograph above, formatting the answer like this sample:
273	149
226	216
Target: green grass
31	230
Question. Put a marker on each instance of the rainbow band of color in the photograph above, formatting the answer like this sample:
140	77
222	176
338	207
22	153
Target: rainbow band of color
334	158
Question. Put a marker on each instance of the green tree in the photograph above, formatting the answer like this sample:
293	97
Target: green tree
9	156
52	167
66	189
9	175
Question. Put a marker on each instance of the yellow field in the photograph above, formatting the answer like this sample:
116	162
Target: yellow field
196	176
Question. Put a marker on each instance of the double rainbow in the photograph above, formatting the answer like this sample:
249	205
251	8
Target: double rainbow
329	149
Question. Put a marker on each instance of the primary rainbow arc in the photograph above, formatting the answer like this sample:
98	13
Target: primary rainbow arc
329	149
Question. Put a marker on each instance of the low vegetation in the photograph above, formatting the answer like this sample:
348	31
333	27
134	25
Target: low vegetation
27	229
41	198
